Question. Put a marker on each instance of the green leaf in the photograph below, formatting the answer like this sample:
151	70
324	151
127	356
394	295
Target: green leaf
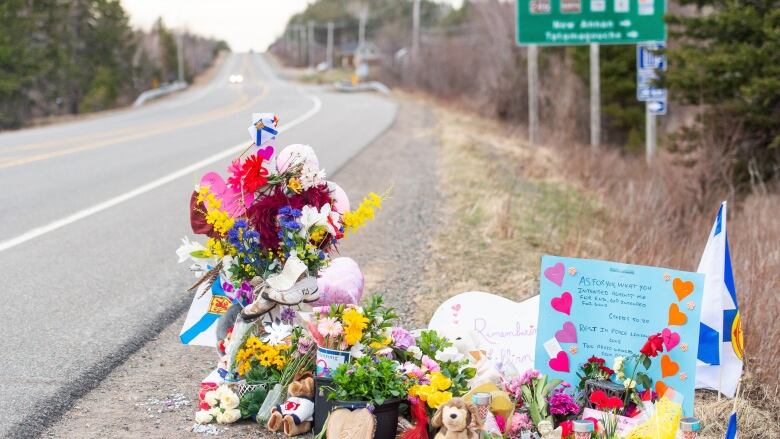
646	362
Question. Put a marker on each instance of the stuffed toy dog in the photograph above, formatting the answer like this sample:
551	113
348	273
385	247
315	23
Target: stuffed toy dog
454	420
295	415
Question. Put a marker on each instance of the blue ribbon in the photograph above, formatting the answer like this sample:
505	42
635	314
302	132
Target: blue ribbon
267	129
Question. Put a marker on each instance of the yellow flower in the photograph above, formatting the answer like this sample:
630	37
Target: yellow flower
352	334
317	235
355	219
382	343
439	381
353	317
424	391
294	185
438	398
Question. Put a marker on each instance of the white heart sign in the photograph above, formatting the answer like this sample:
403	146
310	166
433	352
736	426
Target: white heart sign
504	329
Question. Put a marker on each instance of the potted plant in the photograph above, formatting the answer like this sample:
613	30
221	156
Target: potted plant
375	383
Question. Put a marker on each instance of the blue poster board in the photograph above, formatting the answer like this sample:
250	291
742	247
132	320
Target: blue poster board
607	309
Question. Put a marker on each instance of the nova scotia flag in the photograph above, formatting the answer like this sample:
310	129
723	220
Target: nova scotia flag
719	364
731	432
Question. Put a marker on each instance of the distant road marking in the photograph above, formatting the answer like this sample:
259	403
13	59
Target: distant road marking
141	132
70	219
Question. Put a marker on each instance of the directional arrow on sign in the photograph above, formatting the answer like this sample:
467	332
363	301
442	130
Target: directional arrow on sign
625	23
632	34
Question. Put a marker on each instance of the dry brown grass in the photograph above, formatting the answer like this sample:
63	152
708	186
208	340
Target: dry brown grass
507	203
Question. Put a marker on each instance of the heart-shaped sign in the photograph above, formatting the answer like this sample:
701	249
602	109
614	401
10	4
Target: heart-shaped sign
231	199
456	307
568	334
682	289
266	153
671	338
555	273
676	317
504	329
562	304
668	366
560	362
345	424
661	388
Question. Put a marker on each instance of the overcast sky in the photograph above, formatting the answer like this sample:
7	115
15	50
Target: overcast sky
244	24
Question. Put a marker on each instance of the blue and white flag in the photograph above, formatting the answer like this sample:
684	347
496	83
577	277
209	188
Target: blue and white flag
731	432
209	303
263	128
719	364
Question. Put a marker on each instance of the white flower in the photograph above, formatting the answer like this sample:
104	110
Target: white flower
229	416
449	354
211	398
629	383
203	417
311	176
187	247
228	401
415	351
275	332
311	217
617	364
215	411
357	350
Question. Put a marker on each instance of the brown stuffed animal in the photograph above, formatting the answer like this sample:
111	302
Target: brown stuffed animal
454	420
295	415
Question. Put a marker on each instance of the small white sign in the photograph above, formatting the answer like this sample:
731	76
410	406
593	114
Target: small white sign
504	329
598	5
646	7
622	5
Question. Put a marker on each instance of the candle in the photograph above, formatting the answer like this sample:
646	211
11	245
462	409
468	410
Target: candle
482	401
690	427
583	429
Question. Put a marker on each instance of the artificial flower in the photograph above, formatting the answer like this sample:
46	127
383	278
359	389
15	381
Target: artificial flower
654	345
275	332
355	219
191	250
436	399
228	400
330	327
440	382
229	416
450	353
203	417
294	185
311	217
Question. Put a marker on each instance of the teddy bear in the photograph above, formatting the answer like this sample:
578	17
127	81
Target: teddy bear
295	415
457	419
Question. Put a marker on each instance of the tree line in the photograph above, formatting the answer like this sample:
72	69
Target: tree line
80	56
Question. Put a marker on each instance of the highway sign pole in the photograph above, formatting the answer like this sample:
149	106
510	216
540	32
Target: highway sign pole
533	94
595	97
310	43
329	53
650	134
415	30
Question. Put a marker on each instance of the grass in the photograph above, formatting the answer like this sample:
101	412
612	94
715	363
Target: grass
506	203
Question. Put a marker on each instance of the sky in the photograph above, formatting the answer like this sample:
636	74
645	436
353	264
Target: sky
244	24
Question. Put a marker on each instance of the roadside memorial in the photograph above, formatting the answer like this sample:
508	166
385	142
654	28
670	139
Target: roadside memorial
301	349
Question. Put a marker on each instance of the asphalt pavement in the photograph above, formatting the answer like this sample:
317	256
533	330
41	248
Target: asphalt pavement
92	211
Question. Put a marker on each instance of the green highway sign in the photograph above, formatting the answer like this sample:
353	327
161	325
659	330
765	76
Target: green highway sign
571	22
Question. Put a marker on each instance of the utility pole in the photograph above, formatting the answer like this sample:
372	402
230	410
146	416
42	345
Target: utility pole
180	55
415	30
595	97
310	43
329	52
533	94
650	135
301	38
362	28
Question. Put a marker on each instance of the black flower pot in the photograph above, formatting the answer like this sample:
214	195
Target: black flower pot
386	414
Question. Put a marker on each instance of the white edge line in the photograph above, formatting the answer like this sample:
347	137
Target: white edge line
89	211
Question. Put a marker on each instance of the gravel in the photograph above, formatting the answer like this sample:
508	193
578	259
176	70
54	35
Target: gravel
153	392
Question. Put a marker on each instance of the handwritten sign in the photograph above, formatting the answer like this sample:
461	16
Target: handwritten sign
624	424
504	329
609	309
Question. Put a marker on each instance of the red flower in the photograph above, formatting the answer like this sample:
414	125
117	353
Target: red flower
606	370
567	427
613	403
595	359
604	402
262	213
248	176
632	411
647	395
654	345
598	398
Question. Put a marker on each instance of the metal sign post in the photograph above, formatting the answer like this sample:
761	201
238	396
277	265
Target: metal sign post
533	94
649	61
595	97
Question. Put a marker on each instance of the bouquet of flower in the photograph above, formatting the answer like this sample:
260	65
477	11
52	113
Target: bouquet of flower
353	327
219	405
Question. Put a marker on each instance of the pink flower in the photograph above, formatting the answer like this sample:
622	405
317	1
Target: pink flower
330	327
412	369
430	365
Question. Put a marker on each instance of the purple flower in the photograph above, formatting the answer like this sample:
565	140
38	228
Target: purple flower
304	345
561	403
402	339
287	315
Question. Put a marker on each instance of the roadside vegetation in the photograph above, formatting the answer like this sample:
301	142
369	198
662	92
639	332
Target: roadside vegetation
62	58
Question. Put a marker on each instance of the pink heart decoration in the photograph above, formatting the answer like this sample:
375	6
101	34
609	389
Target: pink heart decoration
456	307
671	339
266	153
562	304
568	334
555	273
560	363
231	199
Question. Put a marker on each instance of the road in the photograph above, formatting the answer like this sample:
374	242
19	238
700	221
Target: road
93	210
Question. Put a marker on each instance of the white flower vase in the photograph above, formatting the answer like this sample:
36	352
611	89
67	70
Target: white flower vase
275	397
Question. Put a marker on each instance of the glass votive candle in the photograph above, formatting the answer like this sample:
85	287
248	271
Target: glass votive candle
482	401
689	427
583	429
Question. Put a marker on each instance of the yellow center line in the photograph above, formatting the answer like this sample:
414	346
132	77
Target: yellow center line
181	123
